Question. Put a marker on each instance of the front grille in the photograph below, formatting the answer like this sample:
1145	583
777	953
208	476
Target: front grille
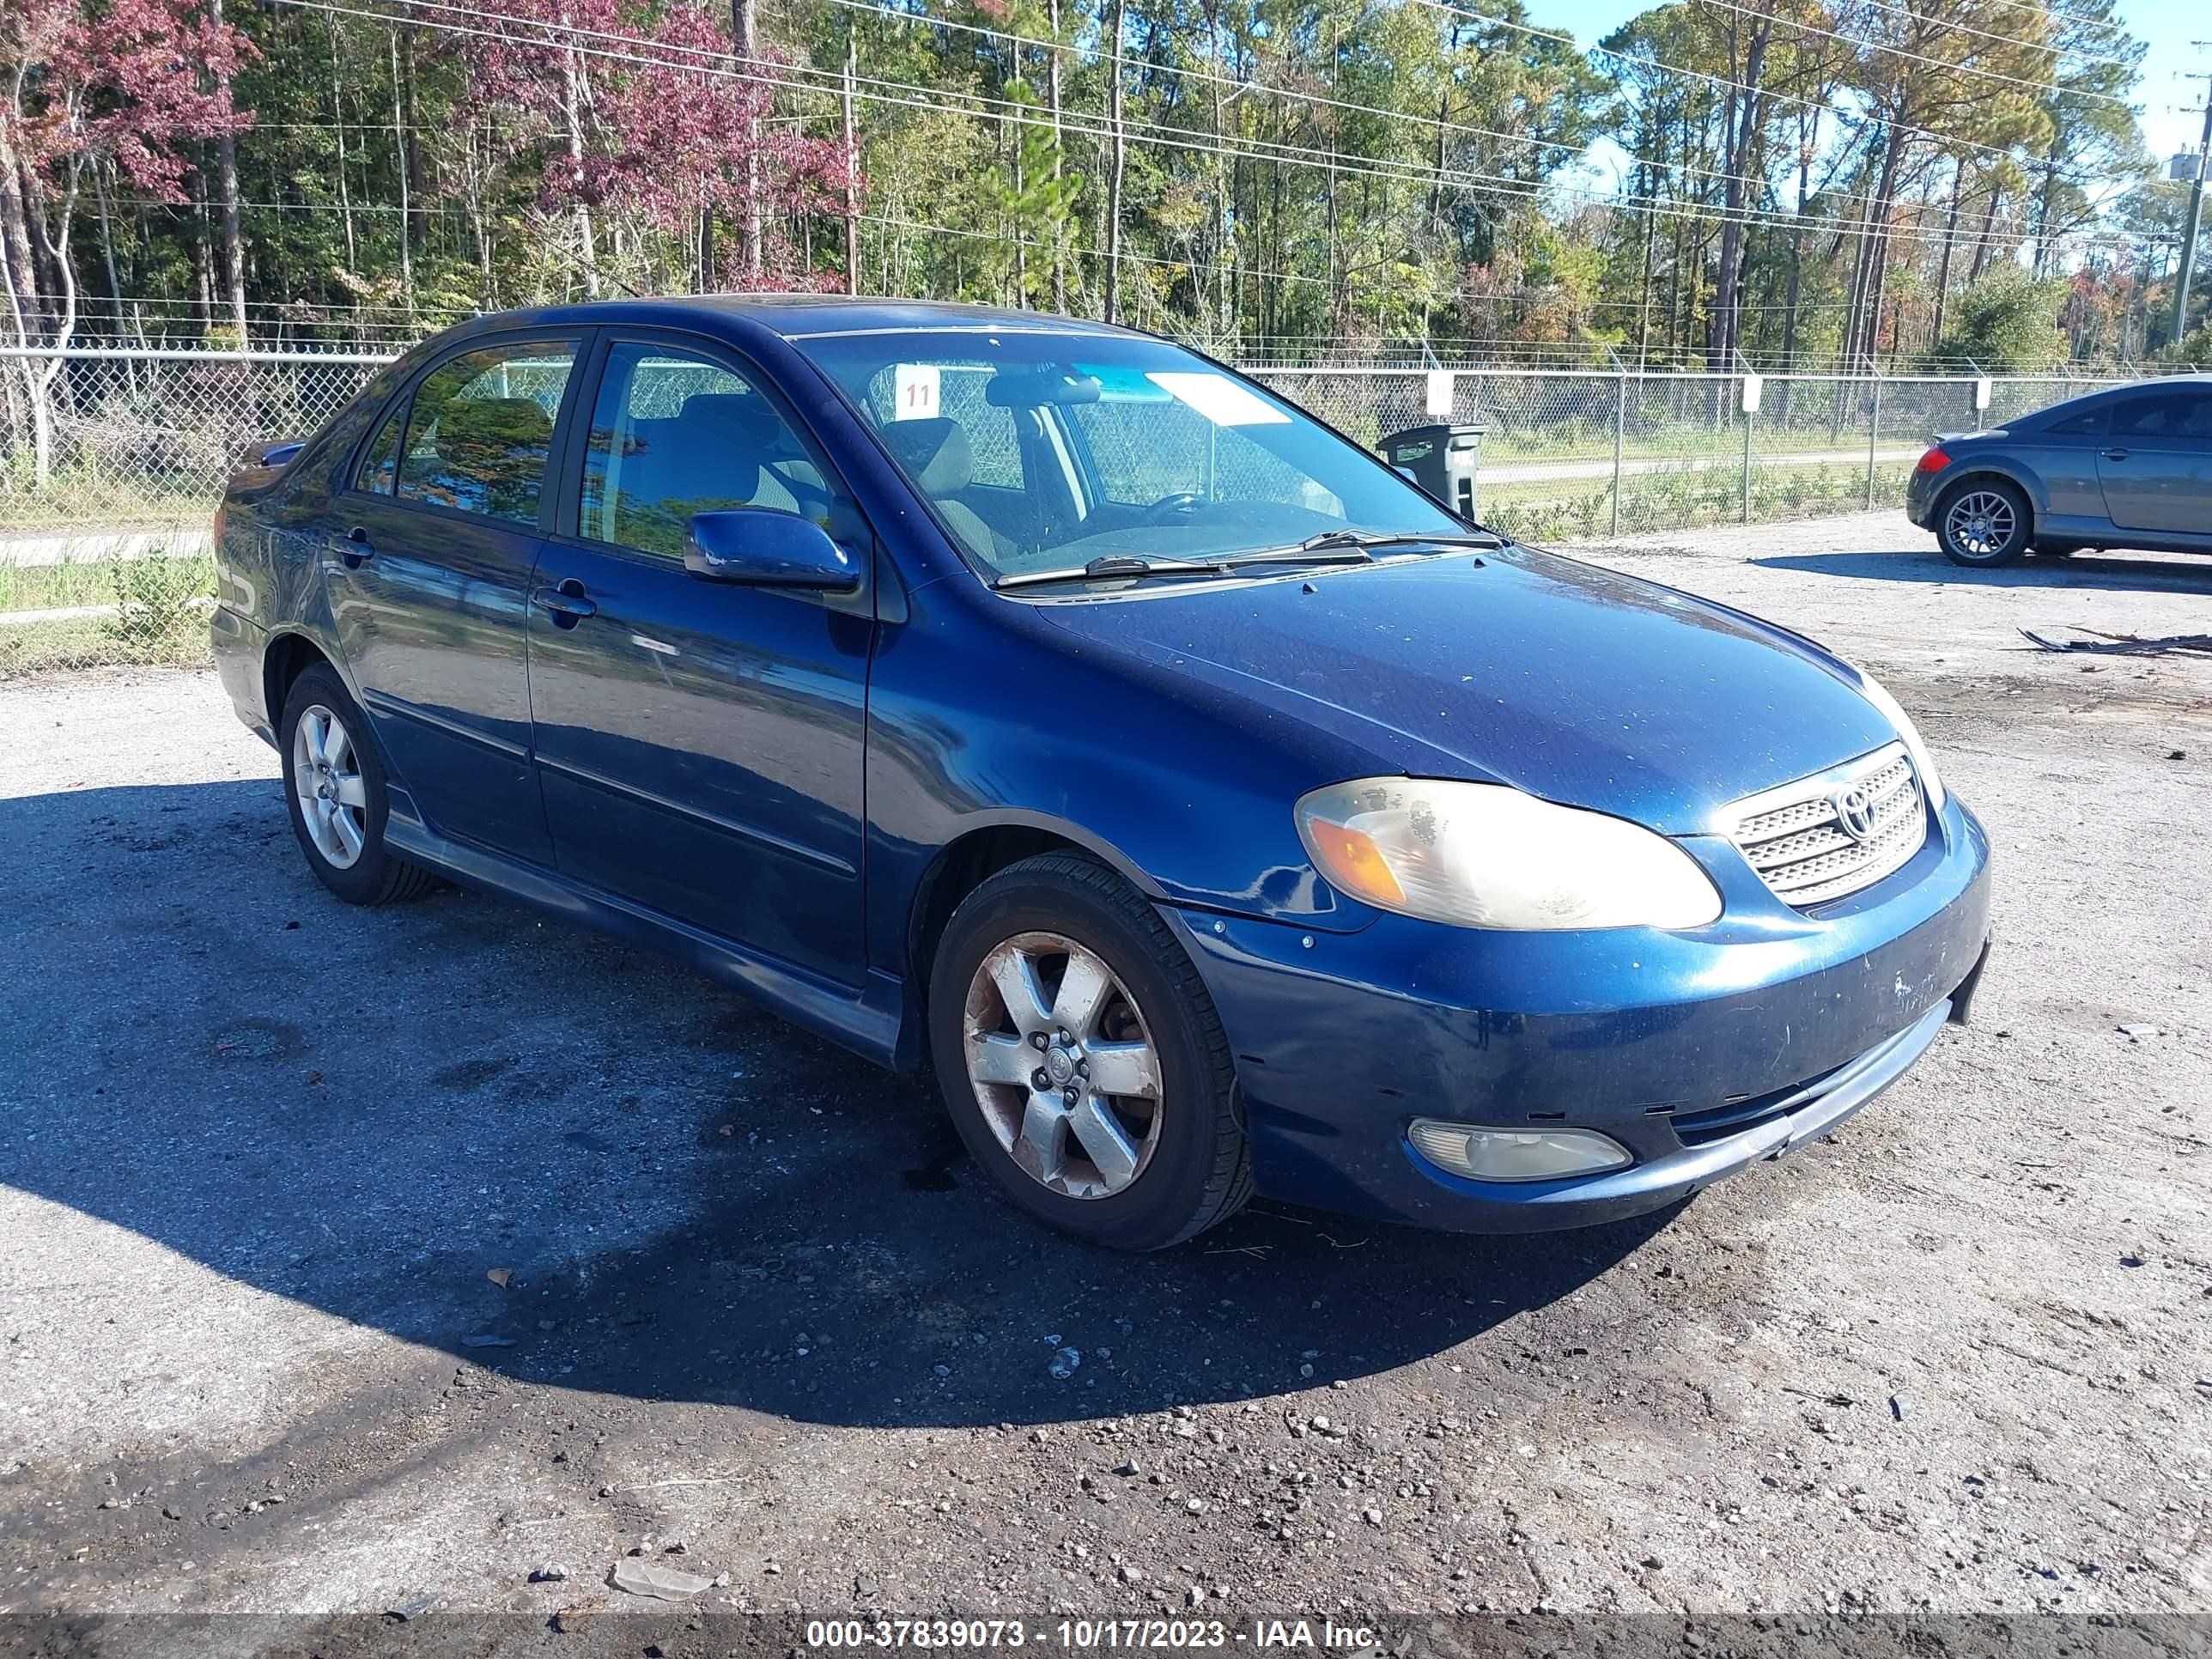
1795	836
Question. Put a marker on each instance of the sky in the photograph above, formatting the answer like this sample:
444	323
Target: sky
2168	26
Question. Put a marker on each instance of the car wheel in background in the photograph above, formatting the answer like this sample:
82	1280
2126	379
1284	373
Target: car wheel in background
1082	1060
1983	521
334	790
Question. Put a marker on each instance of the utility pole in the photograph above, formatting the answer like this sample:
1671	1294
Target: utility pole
2195	215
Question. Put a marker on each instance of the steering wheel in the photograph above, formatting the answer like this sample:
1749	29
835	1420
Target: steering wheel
1161	511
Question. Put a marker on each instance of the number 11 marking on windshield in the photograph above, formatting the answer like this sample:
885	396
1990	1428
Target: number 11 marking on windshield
914	393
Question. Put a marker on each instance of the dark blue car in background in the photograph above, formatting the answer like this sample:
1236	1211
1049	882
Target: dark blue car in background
1043	702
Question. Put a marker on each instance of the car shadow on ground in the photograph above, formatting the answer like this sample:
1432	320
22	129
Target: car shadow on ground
2178	575
542	1151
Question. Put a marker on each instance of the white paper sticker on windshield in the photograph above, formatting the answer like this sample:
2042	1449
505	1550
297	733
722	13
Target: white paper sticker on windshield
1220	399
914	393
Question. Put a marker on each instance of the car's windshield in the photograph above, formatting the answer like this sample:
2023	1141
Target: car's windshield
1044	451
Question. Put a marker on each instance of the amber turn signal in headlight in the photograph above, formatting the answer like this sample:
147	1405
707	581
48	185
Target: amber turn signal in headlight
1484	855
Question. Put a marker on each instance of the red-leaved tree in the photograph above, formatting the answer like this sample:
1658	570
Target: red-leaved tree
120	84
648	117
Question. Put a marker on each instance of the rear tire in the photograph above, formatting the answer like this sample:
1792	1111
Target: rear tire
334	791
1983	522
1054	969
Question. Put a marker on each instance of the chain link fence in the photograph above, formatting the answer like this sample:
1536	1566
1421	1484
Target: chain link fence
1574	454
111	461
110	465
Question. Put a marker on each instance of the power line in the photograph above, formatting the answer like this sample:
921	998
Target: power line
2039	87
1006	110
1427	125
2000	40
1119	57
2048	9
1947	141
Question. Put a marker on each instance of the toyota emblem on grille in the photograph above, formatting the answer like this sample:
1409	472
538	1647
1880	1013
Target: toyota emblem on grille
1854	812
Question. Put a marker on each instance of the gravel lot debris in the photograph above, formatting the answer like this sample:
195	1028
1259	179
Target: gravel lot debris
263	1157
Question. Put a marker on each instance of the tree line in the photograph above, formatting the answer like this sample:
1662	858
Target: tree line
1819	184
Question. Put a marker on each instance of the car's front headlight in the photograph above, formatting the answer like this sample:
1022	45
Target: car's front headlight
1931	782
1484	855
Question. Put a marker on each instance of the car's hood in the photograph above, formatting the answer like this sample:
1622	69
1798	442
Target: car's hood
1576	683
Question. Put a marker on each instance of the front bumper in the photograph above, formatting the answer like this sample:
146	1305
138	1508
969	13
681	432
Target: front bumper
1702	1051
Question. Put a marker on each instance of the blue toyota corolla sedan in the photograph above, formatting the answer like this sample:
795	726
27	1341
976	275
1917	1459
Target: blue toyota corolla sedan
1043	704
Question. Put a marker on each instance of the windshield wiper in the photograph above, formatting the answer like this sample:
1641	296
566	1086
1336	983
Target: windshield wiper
1349	553
1115	566
1349	538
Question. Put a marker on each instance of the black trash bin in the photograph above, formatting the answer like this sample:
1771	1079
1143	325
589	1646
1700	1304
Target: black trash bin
1441	459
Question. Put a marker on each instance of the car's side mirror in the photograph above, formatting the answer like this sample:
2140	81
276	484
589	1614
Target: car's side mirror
763	547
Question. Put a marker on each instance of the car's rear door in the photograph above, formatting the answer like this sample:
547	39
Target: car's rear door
428	572
701	744
2155	466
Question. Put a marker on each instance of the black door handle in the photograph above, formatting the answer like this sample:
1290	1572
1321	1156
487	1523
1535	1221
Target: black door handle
2116	454
566	603
357	549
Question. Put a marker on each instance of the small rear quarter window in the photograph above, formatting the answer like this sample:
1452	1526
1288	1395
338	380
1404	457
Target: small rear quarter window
381	463
2082	424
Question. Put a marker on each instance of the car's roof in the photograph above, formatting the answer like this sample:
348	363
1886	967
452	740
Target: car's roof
2148	383
799	316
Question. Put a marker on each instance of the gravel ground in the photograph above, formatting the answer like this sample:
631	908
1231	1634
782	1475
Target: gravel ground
262	1154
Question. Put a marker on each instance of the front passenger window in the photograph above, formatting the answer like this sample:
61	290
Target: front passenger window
674	434
2184	414
480	429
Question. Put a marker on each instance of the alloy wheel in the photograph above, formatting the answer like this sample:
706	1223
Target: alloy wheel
1063	1066
1980	523
327	783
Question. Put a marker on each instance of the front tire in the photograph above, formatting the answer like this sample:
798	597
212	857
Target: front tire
335	792
1983	522
1082	1061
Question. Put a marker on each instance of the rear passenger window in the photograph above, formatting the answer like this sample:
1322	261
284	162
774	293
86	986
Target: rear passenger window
382	461
673	434
2090	423
480	427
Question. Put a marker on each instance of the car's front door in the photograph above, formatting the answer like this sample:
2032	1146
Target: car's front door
701	745
2156	463
428	575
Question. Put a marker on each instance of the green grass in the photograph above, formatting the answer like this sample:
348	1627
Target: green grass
1542	512
74	498
149	610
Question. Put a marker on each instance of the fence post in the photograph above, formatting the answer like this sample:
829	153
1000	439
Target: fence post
1620	434
1750	420
1874	437
1747	406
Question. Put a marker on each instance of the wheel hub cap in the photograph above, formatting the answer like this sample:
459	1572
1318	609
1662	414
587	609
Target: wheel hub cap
1063	1066
1981	524
327	786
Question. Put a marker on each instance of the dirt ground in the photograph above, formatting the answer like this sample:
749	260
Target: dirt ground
259	1154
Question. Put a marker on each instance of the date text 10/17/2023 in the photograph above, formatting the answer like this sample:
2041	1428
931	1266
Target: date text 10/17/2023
1087	1635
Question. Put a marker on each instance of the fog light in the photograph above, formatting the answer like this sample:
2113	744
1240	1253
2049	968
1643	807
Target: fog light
1516	1154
